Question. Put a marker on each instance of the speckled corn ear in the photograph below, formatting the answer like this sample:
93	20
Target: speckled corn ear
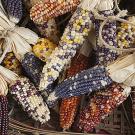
43	49
126	34
31	101
104	55
69	106
31	64
49	30
101	104
87	81
33	67
73	37
14	9
48	10
12	63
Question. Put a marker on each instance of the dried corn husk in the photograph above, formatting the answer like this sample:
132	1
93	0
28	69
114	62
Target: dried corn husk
17	39
123	69
3	86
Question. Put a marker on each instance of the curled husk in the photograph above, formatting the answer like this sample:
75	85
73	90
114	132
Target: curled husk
16	39
3	86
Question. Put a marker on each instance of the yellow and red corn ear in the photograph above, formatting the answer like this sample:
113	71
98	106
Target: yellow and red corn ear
44	11
43	49
12	63
69	106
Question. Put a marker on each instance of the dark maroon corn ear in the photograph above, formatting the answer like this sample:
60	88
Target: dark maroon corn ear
4	120
133	103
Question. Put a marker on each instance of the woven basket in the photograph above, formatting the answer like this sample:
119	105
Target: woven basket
118	122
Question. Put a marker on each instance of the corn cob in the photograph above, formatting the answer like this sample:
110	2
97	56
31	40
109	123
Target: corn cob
102	104
44	11
85	82
106	100
4	115
69	106
126	34
29	98
14	9
12	63
3	106
133	103
105	56
73	37
43	49
49	30
33	67
0	115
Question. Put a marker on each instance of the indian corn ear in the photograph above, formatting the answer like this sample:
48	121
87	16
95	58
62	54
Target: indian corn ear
44	11
12	63
69	106
31	101
43	49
